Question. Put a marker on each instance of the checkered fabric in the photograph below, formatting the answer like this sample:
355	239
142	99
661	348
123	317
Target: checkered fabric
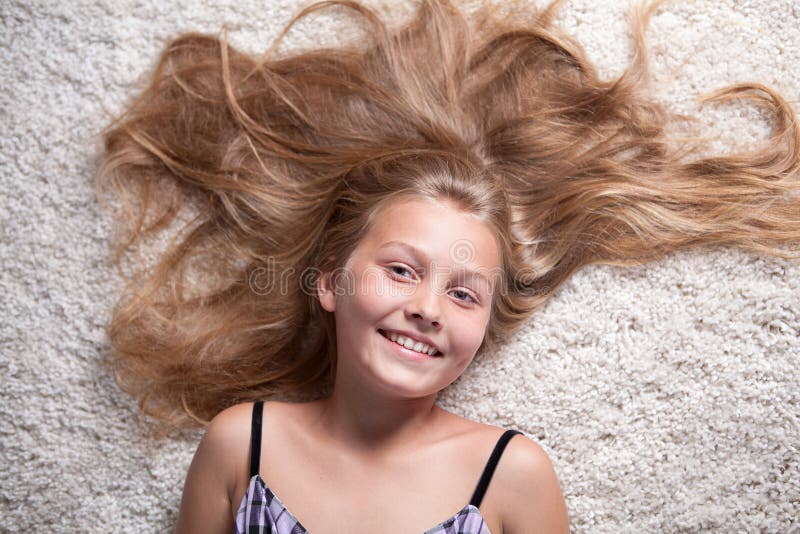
261	512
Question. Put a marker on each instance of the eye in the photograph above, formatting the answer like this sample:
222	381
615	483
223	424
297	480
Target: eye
399	269
466	294
402	271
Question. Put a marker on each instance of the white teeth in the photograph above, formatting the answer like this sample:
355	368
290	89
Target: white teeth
416	346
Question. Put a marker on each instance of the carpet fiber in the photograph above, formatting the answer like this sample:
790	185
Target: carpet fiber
667	395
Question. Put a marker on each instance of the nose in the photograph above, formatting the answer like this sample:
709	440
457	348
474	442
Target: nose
424	306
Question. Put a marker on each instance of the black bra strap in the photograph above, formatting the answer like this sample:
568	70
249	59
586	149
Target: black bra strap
255	438
488	471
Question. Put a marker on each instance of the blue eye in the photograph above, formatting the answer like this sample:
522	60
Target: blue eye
396	268
467	295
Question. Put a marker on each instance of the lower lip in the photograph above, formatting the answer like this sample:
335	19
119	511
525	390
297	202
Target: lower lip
407	353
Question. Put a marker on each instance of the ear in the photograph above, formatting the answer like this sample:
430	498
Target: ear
326	287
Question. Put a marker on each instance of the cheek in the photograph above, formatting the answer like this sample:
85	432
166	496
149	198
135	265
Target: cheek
380	295
466	354
369	299
470	335
475	341
476	328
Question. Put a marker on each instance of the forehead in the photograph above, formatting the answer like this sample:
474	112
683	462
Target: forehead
440	230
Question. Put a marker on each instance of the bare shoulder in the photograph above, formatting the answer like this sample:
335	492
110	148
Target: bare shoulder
229	433
213	475
227	439
230	429
532	500
524	490
232	418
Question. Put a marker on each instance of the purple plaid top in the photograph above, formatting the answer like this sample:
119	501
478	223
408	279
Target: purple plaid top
261	512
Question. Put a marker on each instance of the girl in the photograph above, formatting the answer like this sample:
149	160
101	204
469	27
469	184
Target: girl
366	220
411	306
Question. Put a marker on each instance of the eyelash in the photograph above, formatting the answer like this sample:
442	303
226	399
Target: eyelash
474	300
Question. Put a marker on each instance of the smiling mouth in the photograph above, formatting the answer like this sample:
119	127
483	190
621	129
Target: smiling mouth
386	335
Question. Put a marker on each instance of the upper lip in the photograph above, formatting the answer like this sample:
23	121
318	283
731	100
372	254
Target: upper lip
414	336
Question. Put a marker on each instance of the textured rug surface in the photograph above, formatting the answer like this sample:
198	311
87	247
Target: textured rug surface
667	395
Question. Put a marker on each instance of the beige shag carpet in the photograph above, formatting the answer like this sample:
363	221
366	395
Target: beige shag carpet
668	395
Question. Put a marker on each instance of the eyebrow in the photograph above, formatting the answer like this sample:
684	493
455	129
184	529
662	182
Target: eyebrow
423	258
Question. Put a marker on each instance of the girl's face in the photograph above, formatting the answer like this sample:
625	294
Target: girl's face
426	271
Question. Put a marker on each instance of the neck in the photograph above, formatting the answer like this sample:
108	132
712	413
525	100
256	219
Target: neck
375	424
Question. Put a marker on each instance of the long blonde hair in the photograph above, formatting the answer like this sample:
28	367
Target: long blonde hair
286	159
